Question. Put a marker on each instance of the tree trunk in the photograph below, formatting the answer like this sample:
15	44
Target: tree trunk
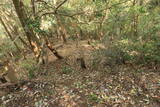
33	40
63	31
9	34
53	50
33	7
135	21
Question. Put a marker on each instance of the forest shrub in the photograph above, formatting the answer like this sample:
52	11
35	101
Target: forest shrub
6	47
149	53
94	97
29	65
139	52
127	51
66	70
114	54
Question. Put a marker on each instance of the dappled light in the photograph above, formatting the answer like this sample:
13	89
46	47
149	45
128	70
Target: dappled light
79	53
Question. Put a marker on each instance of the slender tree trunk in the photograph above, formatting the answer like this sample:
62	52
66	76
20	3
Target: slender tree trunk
103	19
62	29
15	30
33	7
9	34
135	21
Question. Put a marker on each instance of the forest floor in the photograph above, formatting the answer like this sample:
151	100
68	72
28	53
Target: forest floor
62	83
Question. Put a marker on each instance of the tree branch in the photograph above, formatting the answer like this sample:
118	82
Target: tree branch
79	13
60	5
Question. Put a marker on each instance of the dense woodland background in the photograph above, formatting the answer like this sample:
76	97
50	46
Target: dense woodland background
80	53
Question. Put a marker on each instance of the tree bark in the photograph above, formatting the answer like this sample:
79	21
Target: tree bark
33	40
33	7
62	30
9	34
53	50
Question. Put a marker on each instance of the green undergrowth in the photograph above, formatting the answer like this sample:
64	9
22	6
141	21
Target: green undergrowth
29	65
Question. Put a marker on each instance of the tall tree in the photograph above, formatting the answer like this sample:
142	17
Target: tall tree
33	40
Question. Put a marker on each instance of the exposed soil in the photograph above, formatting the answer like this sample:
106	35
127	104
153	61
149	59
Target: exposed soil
64	84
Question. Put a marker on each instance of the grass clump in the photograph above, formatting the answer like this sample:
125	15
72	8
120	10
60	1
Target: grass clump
94	97
66	70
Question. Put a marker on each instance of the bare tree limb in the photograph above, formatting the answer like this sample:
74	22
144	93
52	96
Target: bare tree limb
60	5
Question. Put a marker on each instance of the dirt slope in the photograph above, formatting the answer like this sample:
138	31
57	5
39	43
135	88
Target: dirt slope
64	84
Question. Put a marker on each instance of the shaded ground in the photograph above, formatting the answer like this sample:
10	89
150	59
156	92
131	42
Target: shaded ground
64	84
